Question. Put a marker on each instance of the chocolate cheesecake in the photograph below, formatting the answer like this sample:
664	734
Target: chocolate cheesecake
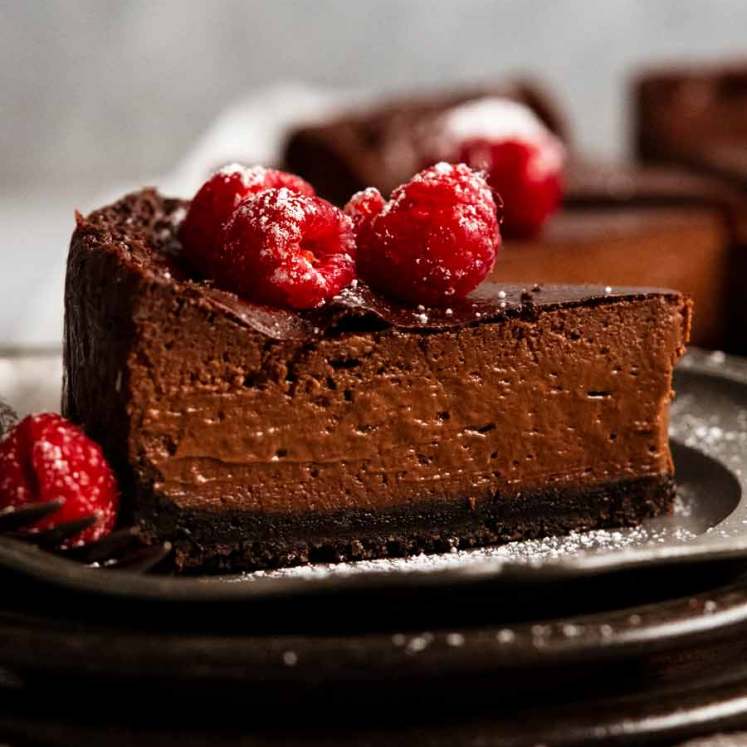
256	437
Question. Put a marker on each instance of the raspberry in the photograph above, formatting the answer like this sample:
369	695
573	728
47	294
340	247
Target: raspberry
286	249
523	160
201	233
46	458
362	207
531	192
436	238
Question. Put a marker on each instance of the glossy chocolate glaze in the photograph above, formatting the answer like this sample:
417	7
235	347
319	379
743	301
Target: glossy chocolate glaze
209	403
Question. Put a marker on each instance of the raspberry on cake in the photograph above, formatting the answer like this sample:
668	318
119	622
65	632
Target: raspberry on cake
213	205
46	458
523	161
253	436
434	241
286	249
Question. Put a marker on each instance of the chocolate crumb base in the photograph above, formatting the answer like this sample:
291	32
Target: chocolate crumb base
8	418
207	542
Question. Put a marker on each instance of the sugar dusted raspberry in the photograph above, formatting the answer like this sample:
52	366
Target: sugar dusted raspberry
522	159
286	249
531	192
362	207
201	233
46	458
436	239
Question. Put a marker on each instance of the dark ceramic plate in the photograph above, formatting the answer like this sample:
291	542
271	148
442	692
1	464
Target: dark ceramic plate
709	430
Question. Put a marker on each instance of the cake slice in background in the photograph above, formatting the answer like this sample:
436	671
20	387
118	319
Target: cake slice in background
696	117
618	225
382	146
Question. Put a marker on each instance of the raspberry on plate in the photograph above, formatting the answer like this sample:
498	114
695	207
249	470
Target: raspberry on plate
46	458
201	233
523	160
435	240
286	249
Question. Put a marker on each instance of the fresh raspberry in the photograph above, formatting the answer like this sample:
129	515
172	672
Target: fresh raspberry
286	249
201	233
523	160
362	207
46	458
531	191
436	238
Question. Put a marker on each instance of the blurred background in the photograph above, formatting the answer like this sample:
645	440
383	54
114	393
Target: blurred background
100	96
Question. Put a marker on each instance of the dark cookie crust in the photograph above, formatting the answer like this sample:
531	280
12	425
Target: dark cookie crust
217	543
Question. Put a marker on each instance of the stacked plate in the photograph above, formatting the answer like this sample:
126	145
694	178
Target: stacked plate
630	635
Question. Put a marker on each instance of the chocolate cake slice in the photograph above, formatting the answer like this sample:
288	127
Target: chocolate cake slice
256	437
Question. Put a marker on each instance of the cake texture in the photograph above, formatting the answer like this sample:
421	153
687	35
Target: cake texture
255	437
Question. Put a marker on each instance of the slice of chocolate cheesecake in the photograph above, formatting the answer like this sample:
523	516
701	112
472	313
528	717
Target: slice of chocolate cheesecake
256	437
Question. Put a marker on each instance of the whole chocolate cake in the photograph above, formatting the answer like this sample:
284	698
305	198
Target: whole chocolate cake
253	436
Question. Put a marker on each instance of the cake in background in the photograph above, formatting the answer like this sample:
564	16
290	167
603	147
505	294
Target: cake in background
694	116
382	147
697	118
618	225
